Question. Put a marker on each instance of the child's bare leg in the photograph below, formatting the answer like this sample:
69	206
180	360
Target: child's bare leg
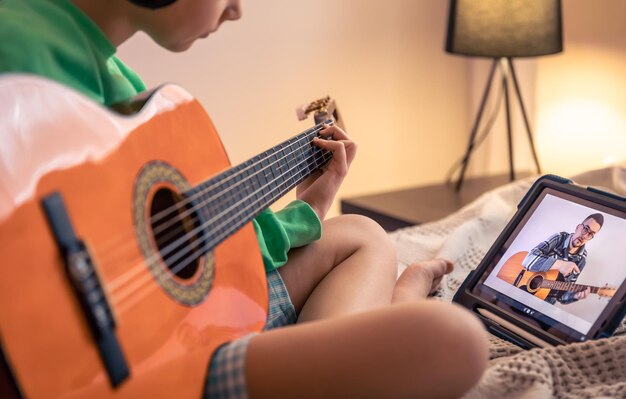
350	269
418	349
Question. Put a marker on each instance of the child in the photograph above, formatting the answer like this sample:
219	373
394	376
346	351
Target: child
335	285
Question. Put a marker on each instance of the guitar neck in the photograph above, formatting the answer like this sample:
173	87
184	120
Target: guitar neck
233	198
565	286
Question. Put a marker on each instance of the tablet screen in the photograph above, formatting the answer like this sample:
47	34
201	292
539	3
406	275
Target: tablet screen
562	267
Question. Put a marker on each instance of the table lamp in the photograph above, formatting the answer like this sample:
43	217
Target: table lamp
502	30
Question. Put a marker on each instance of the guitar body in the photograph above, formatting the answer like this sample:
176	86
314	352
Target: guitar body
108	169
514	273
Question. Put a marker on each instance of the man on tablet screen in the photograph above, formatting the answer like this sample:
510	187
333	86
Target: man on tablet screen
566	253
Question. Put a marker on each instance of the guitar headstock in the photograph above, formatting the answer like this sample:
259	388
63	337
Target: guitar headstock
606	291
322	109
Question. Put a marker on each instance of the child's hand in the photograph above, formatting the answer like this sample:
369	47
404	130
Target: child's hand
319	189
420	280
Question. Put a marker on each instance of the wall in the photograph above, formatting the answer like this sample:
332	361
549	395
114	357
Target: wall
403	99
581	95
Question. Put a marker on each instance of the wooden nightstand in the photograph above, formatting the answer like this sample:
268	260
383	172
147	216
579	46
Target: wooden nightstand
396	209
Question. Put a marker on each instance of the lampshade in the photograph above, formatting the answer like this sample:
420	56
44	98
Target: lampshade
504	28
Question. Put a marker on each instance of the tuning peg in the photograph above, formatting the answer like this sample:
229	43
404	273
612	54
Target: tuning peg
301	112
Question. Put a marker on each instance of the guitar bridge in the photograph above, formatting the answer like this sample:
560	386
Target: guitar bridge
519	277
88	289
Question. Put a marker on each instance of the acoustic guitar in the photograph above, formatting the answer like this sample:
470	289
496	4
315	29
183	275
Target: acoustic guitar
540	284
127	251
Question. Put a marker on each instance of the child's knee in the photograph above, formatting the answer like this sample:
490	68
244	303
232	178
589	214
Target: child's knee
368	233
362	223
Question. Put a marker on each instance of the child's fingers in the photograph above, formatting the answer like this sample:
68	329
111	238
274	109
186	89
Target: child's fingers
338	148
449	266
335	132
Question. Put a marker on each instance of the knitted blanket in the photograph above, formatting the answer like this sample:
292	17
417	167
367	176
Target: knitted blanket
592	369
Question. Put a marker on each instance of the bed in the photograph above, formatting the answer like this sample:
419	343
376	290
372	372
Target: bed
593	369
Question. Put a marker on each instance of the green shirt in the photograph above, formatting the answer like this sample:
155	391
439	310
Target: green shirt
55	39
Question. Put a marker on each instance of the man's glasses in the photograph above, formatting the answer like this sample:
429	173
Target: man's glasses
587	232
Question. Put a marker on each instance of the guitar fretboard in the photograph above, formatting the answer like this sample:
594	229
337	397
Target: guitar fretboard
230	200
565	286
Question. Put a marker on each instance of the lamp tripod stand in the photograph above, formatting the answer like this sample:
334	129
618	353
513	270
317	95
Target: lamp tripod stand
505	65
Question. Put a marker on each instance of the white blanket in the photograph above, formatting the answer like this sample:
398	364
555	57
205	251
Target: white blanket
594	369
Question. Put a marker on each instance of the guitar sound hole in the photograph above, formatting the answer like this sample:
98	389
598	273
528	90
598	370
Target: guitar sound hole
172	231
535	283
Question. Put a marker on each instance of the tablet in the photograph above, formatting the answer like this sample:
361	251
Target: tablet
557	272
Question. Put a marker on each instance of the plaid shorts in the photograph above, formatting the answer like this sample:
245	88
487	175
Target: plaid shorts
227	372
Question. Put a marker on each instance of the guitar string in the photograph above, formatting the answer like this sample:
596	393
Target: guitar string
221	196
575	287
210	221
168	211
131	272
165	251
191	235
227	222
567	286
305	135
143	286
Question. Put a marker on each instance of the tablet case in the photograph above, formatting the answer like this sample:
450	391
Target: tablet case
497	325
